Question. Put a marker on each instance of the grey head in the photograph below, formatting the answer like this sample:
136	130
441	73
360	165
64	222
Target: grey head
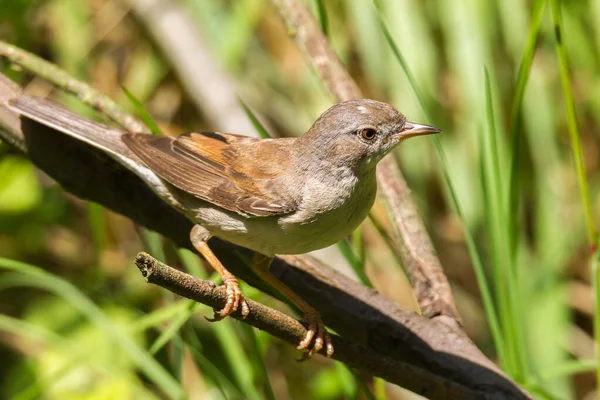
359	133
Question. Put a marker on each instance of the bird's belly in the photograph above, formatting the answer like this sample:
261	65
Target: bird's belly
290	234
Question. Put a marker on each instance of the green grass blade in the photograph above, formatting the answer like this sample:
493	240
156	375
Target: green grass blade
190	262
37	334
321	14
97	228
348	379
573	127
525	65
488	303
153	243
596	321
356	264
31	332
144	115
515	116
504	279
400	59
380	391
378	225
164	313
210	370
362	385
35	277
358	243
507	362
262	132
258	361
572	367
173	329
236	357
228	340
493	150
178	349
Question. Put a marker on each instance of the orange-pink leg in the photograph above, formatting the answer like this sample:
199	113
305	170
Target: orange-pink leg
316	329
235	297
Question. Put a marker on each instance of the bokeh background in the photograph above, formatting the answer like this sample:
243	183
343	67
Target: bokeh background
510	82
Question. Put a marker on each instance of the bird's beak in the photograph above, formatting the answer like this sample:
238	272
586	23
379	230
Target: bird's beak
411	129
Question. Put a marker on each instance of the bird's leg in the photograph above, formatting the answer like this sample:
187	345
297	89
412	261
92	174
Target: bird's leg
316	330
235	299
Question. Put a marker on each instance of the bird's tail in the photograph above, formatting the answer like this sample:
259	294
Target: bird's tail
95	134
48	113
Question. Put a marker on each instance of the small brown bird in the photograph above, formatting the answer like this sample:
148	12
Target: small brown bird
274	196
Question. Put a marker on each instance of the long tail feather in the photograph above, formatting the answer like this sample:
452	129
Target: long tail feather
48	113
95	134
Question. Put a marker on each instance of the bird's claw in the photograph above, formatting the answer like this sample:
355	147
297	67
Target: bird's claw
315	330
235	300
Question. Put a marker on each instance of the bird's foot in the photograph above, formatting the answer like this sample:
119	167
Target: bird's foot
318	332
235	300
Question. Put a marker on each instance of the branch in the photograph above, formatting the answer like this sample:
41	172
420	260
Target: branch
291	331
63	80
428	280
416	250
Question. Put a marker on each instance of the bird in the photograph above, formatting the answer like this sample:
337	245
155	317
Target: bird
275	196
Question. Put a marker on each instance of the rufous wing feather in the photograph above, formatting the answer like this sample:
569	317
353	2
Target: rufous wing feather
202	164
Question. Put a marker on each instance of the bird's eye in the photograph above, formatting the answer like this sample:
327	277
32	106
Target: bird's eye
368	134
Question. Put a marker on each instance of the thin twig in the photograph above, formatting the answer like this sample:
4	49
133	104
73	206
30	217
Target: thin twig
63	80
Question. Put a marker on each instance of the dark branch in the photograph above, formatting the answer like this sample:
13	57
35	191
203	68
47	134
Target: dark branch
289	330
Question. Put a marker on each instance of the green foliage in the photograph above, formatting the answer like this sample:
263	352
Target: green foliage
18	274
139	108
19	188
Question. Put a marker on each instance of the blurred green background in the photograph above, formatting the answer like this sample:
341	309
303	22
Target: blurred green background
513	84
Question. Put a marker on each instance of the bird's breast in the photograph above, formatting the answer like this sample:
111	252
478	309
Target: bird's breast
329	210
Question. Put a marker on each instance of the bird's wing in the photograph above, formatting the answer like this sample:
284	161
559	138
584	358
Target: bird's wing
213	167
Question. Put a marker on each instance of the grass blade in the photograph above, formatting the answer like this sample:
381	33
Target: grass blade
596	321
97	228
210	370
164	313
321	14
35	277
573	127
258	361
144	115
525	65
515	116
172	330
572	367
363	386
229	341
504	279
356	264
152	243
260	129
